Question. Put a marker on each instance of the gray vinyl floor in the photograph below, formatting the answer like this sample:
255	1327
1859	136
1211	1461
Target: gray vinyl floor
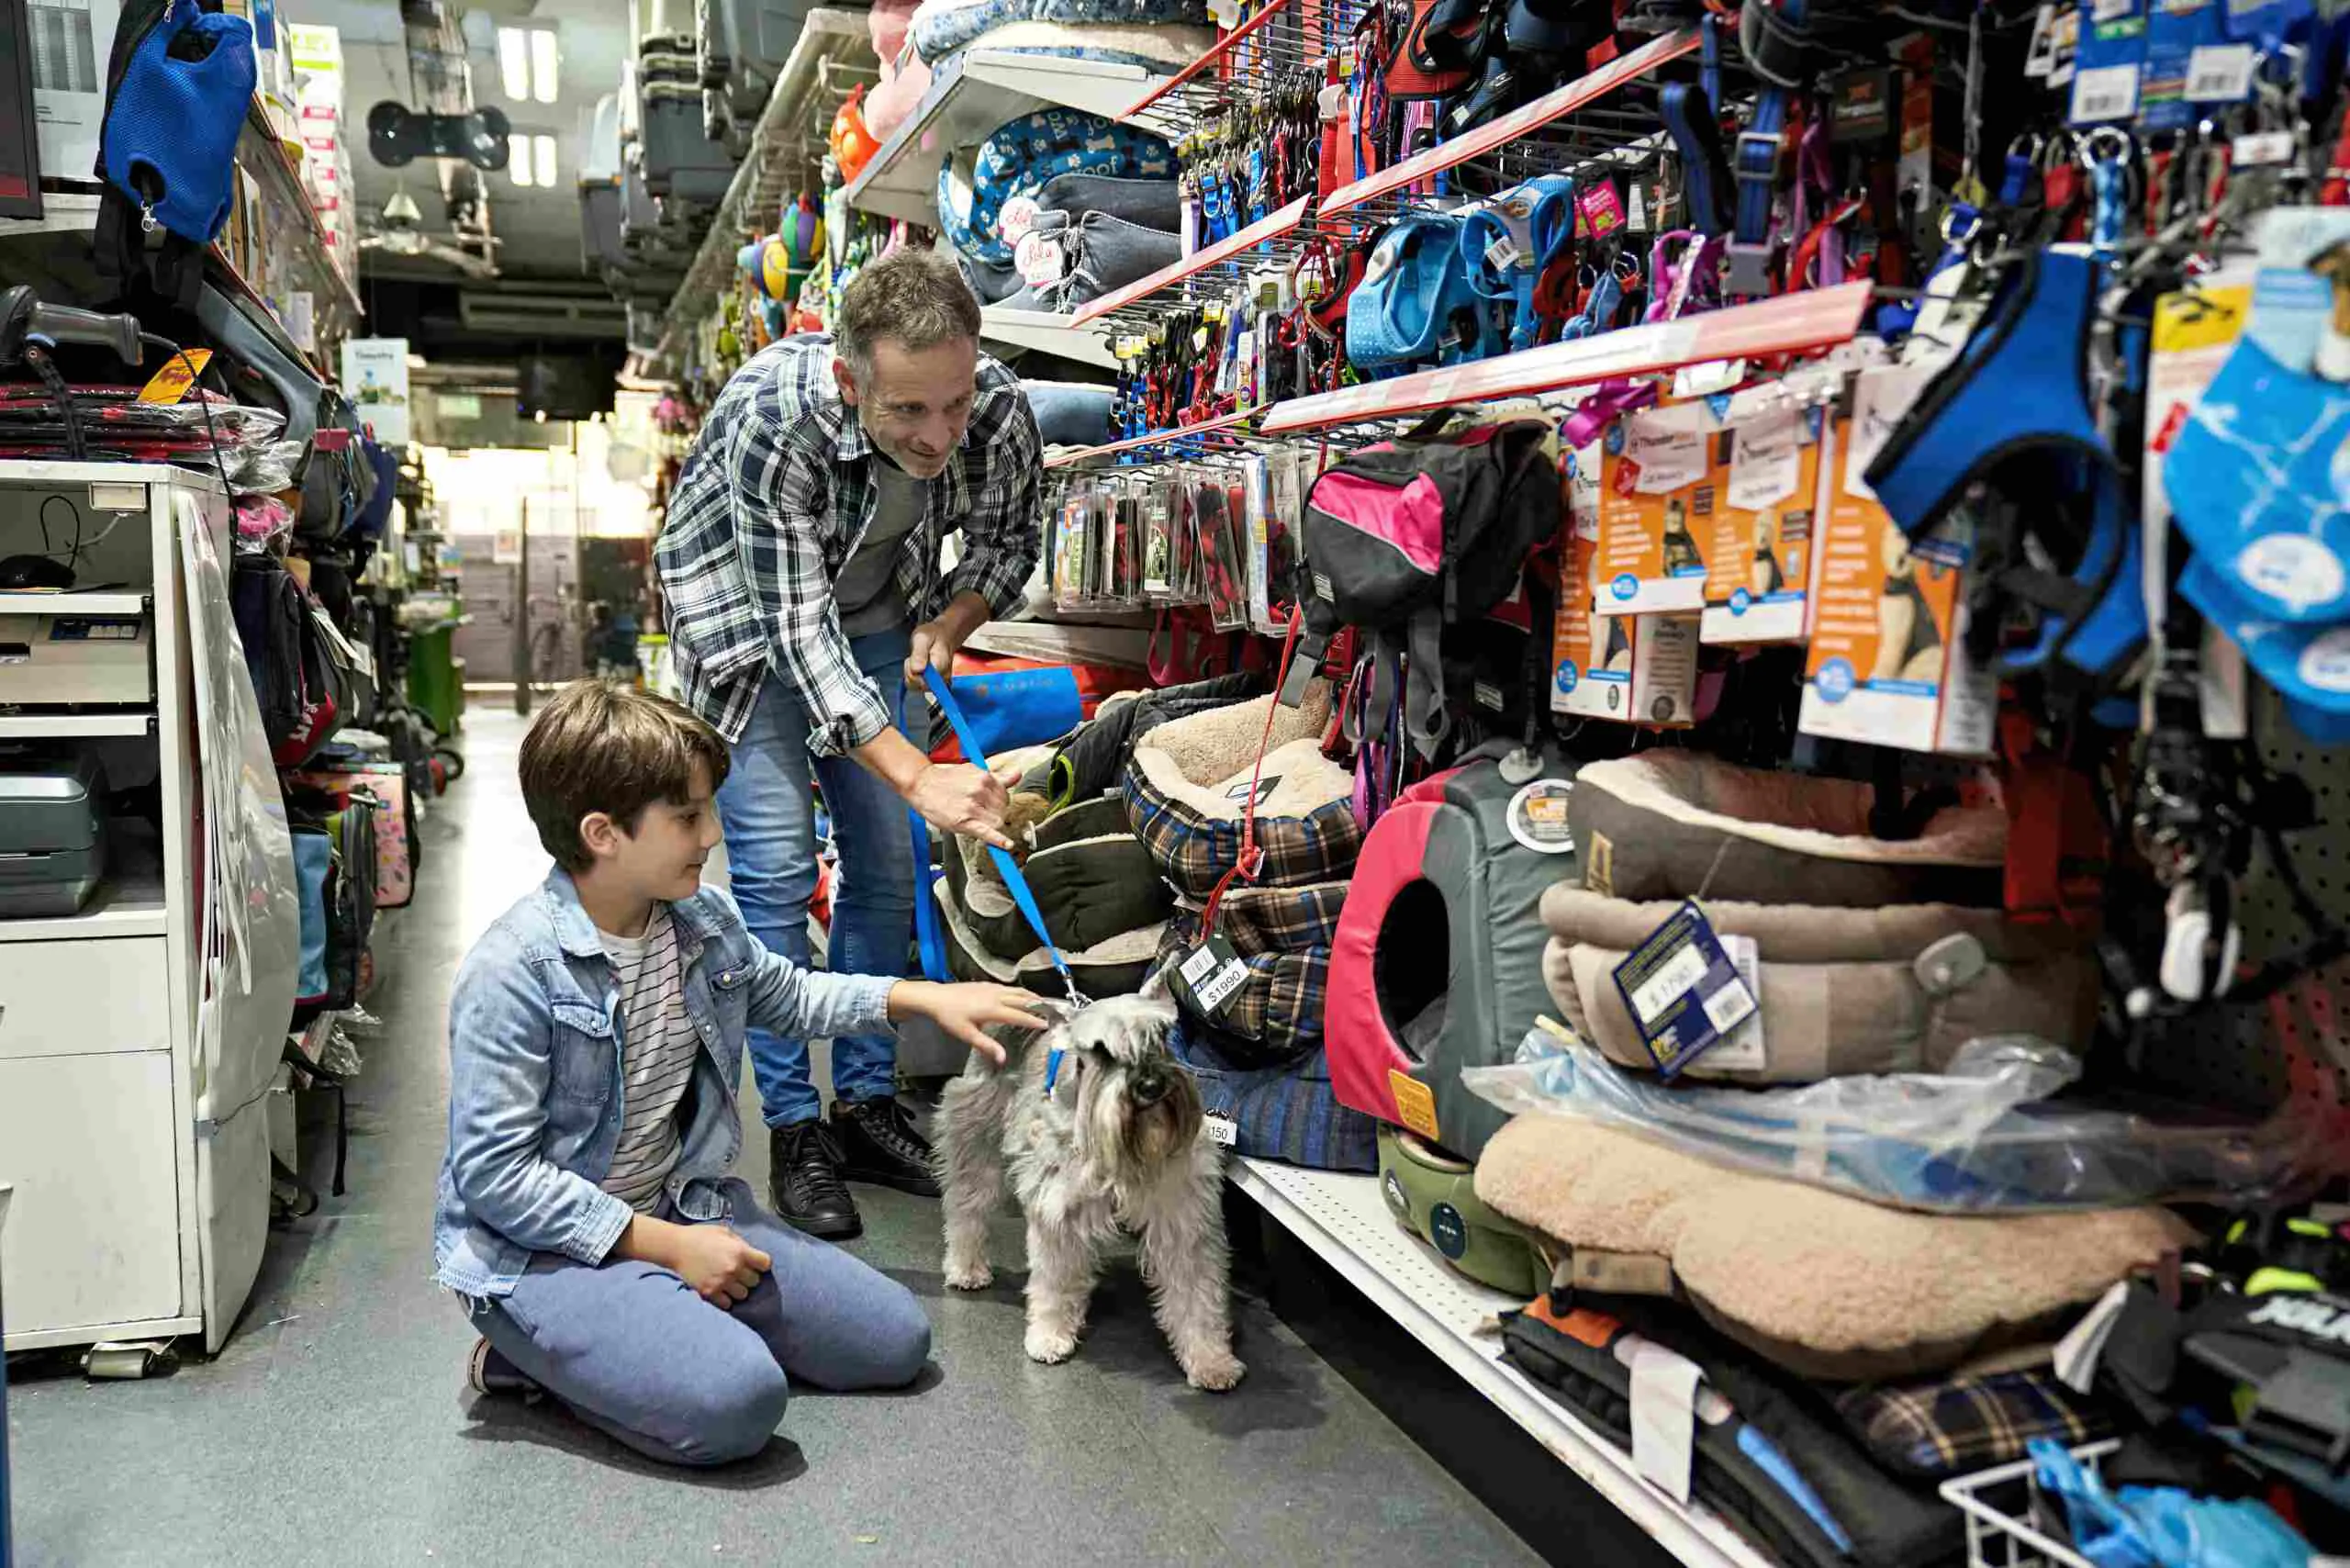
335	1427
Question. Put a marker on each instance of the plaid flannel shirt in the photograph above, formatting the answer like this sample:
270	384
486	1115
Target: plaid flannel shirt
775	498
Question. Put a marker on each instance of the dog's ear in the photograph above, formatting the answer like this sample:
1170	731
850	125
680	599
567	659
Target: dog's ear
1154	989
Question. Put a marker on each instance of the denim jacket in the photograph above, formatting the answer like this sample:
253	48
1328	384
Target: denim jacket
535	1095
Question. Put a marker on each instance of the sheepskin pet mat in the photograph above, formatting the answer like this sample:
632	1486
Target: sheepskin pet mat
1825	1285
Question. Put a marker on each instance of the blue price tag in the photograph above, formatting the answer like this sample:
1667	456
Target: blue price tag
1683	989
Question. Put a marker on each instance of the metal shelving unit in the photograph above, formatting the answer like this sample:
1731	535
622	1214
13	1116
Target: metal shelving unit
1046	333
1343	1220
978	91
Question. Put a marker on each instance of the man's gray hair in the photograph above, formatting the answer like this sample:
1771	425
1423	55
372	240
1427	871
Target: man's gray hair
910	296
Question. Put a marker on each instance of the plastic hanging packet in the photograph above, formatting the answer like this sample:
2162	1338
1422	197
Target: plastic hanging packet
1982	1138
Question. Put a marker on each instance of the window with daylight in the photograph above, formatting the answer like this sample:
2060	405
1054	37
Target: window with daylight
528	61
531	159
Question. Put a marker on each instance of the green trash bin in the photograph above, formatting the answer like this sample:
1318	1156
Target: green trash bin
435	680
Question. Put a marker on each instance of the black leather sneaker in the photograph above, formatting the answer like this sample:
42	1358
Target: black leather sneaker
880	1144
804	1180
489	1372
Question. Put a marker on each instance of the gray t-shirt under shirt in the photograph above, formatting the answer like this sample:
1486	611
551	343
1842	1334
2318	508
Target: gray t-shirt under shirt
866	589
657	1051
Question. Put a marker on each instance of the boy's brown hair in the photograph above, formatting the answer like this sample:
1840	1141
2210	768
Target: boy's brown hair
602	746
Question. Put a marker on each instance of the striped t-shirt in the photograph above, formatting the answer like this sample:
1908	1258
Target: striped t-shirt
658	1045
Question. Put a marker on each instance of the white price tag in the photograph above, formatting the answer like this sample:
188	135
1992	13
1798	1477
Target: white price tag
1039	260
2105	93
1502	254
1222	1131
1741	1047
1664	1416
2256	149
1214	992
1767	459
1198	966
1677	975
1018	217
1707	377
2219	73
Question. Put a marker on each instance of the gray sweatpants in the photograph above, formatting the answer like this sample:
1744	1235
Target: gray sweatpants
630	1350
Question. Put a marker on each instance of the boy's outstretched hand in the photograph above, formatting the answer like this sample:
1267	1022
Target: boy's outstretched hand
966	1012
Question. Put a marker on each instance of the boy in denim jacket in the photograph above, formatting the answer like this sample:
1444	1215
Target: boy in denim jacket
585	1210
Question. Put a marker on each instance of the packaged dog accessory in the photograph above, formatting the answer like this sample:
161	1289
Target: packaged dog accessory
1888	662
1629	669
1759	562
1660	484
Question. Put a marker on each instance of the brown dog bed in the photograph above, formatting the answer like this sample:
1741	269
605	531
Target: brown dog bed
1843	991
1675	825
1826	1285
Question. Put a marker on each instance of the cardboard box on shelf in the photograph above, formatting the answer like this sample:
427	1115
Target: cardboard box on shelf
1888	662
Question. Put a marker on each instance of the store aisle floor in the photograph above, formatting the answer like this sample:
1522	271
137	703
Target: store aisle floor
336	1427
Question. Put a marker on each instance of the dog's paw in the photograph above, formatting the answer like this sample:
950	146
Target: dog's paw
1050	1345
969	1274
1216	1373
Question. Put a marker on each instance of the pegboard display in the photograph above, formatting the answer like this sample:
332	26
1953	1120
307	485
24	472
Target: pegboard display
2297	1043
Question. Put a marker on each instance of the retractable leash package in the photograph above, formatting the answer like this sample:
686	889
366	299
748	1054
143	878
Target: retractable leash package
1888	663
1759	566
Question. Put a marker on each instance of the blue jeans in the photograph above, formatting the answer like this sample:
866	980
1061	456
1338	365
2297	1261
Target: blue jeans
632	1350
766	808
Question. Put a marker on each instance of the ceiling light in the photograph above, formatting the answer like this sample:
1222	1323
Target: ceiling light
544	63
542	158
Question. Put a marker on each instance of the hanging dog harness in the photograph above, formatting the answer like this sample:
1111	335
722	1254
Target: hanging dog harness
2019	389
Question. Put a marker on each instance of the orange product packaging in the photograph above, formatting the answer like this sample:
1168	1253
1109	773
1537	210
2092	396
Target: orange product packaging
1660	483
1636	669
1759	561
1888	662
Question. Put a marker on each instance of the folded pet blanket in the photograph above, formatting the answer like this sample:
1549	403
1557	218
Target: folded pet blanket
1825	1285
1677	824
1841	990
1285	1113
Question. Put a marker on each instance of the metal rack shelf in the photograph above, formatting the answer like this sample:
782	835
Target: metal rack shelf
1516	125
1793	323
977	92
1230	249
1046	333
1343	1219
1076	455
827	39
29	602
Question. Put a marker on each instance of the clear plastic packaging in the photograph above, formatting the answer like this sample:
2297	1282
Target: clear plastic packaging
263	467
1973	1139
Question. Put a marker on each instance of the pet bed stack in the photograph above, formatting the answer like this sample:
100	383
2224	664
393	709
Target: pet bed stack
1873	955
1188	784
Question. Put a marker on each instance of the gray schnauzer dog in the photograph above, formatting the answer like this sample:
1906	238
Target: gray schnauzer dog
1118	1146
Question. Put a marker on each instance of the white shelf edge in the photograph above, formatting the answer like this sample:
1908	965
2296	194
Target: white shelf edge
133	908
65	726
70	603
989	86
62	212
1048	333
89	1333
1694	1536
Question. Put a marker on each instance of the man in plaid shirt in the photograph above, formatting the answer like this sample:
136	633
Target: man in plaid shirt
799	563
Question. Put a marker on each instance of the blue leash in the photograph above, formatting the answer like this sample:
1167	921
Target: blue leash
1014	881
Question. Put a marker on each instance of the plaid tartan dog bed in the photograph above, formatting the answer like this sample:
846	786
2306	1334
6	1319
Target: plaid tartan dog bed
1936	1430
